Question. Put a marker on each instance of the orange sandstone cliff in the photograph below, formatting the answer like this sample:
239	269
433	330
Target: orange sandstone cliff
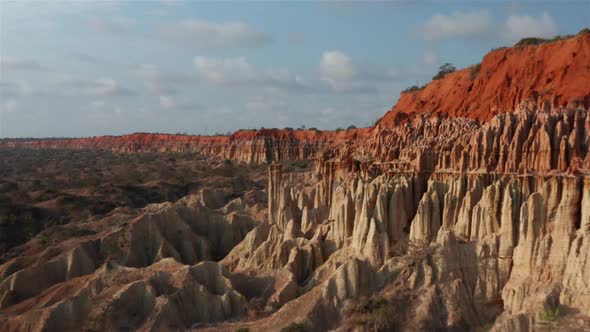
550	78
558	72
467	207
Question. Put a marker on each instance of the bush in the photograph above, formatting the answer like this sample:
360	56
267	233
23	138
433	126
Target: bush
549	317
445	69
243	329
537	41
43	239
413	88
498	48
484	328
294	327
376	313
583	31
299	164
382	319
412	252
351	127
530	41
474	71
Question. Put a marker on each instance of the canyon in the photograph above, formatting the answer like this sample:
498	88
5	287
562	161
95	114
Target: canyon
465	207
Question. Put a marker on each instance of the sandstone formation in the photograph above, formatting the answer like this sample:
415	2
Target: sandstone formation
466	212
554	71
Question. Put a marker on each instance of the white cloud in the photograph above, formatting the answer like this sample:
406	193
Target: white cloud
481	24
238	71
341	74
101	87
160	80
224	70
458	24
104	87
167	102
542	26
203	35
17	88
335	66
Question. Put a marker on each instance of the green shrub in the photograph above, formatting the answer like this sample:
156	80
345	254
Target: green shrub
549	317
537	41
484	328
243	329
583	31
413	88
382	319
474	71
445	69
530	41
498	48
43	239
376	313
294	327
351	127
299	164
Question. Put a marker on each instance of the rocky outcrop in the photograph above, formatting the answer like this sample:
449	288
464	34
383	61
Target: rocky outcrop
247	146
166	295
503	79
482	245
470	202
128	270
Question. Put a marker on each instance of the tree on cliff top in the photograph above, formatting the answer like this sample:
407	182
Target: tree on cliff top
446	68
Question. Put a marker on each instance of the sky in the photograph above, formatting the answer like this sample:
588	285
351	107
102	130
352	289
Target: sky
89	68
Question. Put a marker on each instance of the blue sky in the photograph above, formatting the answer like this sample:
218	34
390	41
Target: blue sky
85	68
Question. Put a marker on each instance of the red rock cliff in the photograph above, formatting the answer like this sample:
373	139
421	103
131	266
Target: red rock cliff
454	123
556	71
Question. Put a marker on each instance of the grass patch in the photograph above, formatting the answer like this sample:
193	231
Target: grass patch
549	318
377	314
538	41
294	327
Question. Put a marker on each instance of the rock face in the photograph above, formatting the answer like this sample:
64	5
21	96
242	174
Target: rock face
466	211
503	79
501	246
254	147
128	271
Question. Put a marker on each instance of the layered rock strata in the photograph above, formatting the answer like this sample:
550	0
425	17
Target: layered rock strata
475	208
